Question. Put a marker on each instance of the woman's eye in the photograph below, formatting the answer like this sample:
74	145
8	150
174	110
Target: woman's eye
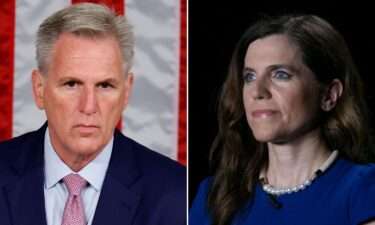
282	75
249	77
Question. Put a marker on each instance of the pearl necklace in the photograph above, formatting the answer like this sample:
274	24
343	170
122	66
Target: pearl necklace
280	191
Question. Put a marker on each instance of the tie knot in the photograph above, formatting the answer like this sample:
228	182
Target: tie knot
74	183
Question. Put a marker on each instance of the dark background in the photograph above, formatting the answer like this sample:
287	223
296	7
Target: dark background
214	30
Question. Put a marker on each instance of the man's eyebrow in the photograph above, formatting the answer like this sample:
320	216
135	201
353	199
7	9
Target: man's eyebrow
68	78
109	80
72	78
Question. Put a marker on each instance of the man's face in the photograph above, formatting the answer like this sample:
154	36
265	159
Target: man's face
83	94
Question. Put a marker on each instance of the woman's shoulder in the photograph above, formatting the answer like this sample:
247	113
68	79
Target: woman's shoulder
355	173
204	188
198	212
206	184
359	180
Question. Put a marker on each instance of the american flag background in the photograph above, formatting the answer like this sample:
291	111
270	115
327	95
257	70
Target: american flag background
156	114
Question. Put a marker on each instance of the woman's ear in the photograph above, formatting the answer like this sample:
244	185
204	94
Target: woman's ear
331	95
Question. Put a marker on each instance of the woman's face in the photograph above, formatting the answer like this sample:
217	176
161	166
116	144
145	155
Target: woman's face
280	94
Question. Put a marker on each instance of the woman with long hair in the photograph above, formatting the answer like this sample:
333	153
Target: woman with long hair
294	141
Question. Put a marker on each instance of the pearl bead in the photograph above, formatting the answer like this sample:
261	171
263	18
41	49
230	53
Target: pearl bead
307	182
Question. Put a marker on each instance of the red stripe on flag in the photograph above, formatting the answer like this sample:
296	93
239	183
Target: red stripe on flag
7	18
119	8
182	90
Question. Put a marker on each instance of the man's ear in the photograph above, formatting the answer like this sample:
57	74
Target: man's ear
37	80
331	95
129	79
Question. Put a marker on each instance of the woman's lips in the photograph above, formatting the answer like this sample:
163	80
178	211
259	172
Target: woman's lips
263	113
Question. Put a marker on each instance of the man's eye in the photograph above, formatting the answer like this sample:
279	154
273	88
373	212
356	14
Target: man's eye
71	84
249	77
105	85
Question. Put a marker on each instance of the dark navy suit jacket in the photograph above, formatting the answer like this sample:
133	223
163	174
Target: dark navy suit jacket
140	187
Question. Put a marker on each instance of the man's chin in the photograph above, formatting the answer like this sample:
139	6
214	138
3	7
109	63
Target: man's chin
87	150
83	144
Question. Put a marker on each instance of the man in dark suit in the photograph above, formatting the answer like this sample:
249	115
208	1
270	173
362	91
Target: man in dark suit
78	169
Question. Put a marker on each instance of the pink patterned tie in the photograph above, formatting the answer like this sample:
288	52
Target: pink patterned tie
73	211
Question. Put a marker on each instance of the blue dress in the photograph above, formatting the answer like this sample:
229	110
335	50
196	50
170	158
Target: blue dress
344	194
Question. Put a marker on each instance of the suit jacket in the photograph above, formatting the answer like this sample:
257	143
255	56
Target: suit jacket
140	186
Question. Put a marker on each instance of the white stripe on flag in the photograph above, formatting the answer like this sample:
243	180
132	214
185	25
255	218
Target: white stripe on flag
152	114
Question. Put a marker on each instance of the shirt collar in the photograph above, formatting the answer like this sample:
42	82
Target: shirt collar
56	169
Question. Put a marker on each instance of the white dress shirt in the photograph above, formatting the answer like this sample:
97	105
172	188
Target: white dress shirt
55	191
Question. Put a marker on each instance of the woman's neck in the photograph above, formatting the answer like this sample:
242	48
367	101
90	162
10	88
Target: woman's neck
291	163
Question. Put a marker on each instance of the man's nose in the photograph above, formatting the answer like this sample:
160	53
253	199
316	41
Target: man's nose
88	101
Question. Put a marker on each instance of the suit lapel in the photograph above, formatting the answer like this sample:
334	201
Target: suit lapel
118	202
25	194
26	199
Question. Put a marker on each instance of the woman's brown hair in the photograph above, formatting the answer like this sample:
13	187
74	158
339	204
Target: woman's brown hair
237	157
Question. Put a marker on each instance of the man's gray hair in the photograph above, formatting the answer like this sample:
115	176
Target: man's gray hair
88	20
